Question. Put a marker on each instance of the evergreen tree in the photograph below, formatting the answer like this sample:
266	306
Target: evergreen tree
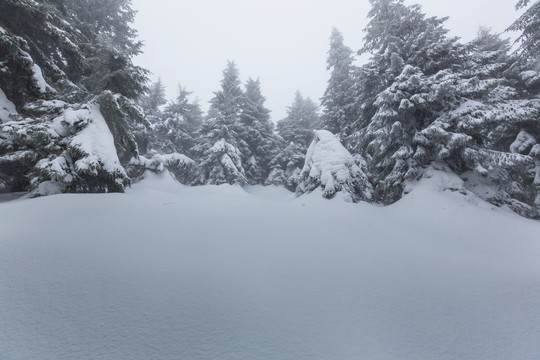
399	35
302	118
168	143
220	145
50	47
338	101
330	167
529	26
296	133
257	132
286	166
490	128
190	111
154	98
174	129
406	47
427	99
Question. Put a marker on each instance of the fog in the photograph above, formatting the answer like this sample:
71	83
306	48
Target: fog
284	43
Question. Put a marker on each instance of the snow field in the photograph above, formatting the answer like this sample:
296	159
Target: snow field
172	272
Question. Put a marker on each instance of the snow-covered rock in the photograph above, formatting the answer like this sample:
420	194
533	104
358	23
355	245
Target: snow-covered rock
331	167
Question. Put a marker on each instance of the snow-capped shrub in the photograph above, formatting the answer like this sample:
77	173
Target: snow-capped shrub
330	166
184	169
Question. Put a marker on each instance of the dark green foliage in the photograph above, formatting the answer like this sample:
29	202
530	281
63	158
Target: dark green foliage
59	60
286	166
258	133
302	118
528	25
189	111
426	99
339	99
220	147
120	113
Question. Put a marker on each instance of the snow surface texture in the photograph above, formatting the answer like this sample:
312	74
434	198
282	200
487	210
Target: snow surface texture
7	108
172	272
329	165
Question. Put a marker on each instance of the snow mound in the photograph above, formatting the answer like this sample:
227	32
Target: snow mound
330	166
181	167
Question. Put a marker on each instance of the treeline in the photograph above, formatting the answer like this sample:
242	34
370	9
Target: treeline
235	143
424	100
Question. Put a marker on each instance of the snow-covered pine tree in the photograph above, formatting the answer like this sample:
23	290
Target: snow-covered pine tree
168	143
406	47
220	145
295	132
339	99
62	134
489	128
188	109
286	165
332	168
258	133
528	25
110	47
302	118
154	98
175	129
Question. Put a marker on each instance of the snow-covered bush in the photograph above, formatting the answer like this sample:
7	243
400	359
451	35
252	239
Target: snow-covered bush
184	169
331	167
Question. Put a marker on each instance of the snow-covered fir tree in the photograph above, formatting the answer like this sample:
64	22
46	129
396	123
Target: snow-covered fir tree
406	46
528	25
339	99
154	98
286	165
426	99
167	144
220	145
173	129
490	128
258	133
295	132
302	118
330	167
69	128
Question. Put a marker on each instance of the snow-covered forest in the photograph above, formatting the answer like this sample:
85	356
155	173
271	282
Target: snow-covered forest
78	116
390	219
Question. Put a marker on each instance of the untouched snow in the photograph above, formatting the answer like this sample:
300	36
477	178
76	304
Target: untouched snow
173	272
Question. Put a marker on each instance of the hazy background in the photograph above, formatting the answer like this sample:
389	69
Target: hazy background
282	42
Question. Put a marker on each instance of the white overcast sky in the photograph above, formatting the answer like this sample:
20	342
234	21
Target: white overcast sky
282	42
